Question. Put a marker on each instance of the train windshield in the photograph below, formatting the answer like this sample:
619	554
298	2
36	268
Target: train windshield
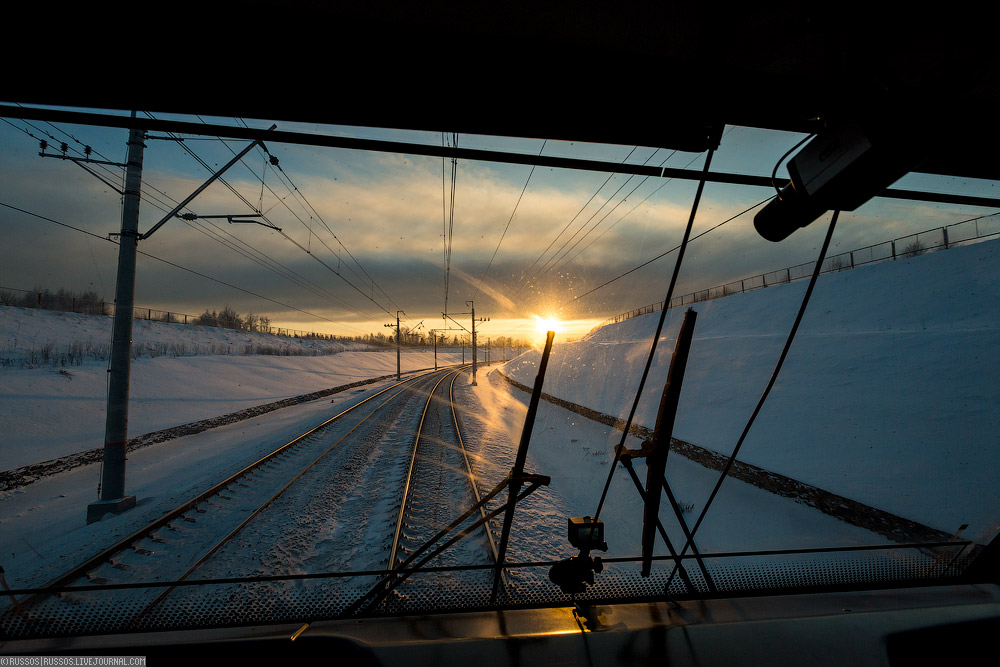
380	372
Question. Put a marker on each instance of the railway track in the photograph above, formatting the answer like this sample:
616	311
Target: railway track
440	484
304	507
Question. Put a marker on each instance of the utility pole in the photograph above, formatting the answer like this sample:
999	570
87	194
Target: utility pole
111	494
475	352
397	340
475	355
434	333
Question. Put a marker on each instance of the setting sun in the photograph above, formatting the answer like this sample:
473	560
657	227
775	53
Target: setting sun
547	324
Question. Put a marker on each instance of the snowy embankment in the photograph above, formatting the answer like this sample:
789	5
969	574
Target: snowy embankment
888	396
53	410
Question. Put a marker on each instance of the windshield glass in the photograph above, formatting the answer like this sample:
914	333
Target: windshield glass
828	425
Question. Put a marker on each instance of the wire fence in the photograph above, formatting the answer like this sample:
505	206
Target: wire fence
940	238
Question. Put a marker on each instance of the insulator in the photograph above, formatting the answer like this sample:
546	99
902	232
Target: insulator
44	144
64	147
274	160
87	150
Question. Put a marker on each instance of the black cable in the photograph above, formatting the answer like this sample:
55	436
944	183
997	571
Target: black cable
770	384
659	328
774	172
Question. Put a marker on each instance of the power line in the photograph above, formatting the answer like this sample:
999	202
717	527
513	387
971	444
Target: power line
286	236
294	190
527	272
509	220
662	255
596	224
261	258
219	234
178	266
118	175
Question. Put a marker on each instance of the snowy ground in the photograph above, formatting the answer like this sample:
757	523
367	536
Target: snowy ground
888	395
54	410
886	398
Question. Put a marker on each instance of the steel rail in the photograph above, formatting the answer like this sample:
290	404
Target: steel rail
394	562
409	473
468	465
208	554
105	555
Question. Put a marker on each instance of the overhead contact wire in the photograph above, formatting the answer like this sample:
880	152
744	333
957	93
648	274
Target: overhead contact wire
509	220
178	266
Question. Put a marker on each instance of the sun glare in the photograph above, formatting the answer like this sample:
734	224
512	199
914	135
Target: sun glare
547	324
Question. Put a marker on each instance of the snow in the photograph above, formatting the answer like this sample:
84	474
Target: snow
887	398
165	390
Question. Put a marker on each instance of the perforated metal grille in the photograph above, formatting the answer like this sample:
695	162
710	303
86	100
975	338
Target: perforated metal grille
245	603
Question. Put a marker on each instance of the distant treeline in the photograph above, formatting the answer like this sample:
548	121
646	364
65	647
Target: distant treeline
89	302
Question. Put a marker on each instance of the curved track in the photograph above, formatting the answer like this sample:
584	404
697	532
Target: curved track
440	485
312	505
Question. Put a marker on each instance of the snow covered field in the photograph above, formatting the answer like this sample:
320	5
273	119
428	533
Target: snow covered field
887	398
54	409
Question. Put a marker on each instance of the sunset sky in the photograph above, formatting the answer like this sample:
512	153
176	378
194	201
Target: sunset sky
390	212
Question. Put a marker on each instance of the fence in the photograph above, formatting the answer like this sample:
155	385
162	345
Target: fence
90	304
941	238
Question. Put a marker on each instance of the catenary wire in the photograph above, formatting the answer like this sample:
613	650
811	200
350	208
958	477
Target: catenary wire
286	236
178	266
527	273
509	220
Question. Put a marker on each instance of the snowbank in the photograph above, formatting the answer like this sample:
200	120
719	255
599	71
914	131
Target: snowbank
887	396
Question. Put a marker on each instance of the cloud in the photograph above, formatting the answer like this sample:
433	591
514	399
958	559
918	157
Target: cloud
388	212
